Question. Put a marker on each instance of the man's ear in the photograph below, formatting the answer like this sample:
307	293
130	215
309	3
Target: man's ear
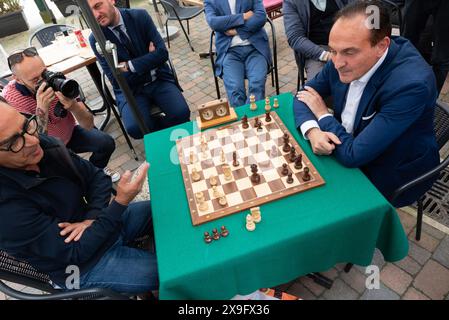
383	45
18	80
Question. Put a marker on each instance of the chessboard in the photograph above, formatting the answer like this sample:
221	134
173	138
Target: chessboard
233	168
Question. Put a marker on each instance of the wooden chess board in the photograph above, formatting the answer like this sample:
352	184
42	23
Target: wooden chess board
252	147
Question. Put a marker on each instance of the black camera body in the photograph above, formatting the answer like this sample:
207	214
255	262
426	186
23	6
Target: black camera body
58	82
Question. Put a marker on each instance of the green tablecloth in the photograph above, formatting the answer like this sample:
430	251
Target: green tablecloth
342	221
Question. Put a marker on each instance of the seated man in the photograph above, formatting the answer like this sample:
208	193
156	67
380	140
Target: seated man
55	212
384	95
27	67
242	47
142	51
307	26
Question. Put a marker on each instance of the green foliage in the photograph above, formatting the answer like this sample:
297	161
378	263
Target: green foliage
7	6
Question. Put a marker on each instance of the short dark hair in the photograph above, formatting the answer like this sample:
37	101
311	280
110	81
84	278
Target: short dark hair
361	8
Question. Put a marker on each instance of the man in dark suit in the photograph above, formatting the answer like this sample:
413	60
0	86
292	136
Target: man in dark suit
143	56
384	97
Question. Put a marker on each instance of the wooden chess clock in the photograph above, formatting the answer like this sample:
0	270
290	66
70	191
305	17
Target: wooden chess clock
214	113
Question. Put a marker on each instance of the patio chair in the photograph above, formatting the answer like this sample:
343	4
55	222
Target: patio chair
395	7
20	272
46	35
273	68
175	11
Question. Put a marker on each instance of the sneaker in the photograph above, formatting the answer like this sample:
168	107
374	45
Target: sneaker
115	176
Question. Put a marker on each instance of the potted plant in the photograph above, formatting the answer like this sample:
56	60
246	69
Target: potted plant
12	18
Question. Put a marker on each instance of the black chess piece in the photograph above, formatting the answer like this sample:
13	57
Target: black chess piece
306	175
267	116
286	147
235	163
245	124
215	234
256	122
259	126
298	162
224	232
207	237
284	169
290	177
255	177
292	154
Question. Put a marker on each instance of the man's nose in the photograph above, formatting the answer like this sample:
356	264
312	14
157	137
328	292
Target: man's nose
338	61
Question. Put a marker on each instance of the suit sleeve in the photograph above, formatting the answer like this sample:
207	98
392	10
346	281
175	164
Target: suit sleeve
387	125
221	23
255	23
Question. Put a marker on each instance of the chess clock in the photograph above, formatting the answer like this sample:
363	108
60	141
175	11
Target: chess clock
214	113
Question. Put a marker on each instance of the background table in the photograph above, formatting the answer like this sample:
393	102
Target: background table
342	221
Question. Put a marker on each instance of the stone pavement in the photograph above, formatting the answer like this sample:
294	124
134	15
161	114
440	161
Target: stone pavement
423	274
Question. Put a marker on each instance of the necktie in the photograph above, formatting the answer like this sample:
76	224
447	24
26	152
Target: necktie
124	40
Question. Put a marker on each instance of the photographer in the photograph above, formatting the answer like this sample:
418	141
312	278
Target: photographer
33	91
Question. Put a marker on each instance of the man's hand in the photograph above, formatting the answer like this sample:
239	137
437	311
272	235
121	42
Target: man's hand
128	188
67	103
313	100
75	230
123	66
231	32
323	143
151	47
248	15
44	98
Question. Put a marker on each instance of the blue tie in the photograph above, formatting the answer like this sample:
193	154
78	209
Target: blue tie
124	40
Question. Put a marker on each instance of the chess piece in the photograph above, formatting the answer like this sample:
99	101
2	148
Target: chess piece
227	172
286	147
255	213
199	196
222	201
213	180
274	151
255	177
203	206
276	103
306	175
267	104
252	101
235	163
192	157
222	156
215	192
215	234
207	237
284	169
195	175
259	126
250	225
224	232
298	162
256	122
290	177
245	124
267	116
292	154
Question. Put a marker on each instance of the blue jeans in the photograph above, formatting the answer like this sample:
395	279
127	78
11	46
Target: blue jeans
99	143
122	268
240	63
164	94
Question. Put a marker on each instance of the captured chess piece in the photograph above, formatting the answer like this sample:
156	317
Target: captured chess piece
276	103
284	169
255	213
306	174
292	154
267	116
252	102
255	177
298	161
245	124
267	104
224	232
286	147
215	234
235	163
250	225
195	175
207	237
290	178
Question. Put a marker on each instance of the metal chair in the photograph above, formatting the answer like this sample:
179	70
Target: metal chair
20	272
441	126
175	11
395	7
300	63
46	35
272	69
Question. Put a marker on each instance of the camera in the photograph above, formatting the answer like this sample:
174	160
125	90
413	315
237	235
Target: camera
58	82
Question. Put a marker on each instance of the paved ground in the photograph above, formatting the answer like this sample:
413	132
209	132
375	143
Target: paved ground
423	274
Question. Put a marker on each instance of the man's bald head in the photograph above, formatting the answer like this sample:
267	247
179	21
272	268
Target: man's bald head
29	71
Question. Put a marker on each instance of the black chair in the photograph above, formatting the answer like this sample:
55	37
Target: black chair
395	7
46	35
441	126
175	11
20	272
300	63
272	69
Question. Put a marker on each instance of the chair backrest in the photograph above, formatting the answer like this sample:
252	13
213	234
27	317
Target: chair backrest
171	7
46	34
441	123
395	7
300	63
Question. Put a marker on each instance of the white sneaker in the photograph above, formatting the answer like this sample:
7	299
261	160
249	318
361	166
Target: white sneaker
115	176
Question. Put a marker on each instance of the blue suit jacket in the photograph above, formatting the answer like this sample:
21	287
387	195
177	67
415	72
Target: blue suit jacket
220	19
393	140
141	30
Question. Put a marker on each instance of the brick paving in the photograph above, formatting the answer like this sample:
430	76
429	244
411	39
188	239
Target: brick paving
423	274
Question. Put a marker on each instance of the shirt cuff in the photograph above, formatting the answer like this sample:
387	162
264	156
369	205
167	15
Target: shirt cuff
306	126
131	67
324	116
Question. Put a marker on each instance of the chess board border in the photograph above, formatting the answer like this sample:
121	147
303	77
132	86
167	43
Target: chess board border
197	219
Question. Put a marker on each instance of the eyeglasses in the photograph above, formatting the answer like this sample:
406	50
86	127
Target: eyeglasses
17	142
17	56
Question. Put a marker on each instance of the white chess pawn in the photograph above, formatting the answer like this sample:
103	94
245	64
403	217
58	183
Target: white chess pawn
215	192
213	180
192	157
255	213
267	104
227	172
222	201
276	103
195	175
252	101
203	206
250	225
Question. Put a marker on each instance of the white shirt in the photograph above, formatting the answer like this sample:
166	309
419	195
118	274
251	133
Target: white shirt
236	40
353	97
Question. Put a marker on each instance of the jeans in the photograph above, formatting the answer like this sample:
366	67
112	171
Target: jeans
99	143
164	94
243	62
122	268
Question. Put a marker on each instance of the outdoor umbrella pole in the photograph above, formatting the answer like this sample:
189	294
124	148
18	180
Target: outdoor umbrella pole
99	36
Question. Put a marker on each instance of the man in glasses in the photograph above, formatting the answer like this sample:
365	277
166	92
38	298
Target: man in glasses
26	95
55	212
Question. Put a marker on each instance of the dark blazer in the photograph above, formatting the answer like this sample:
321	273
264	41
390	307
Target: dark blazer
220	19
393	140
141	30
